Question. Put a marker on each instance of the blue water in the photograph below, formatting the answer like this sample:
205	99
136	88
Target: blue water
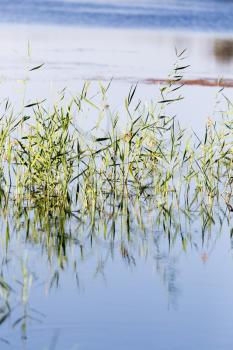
207	15
141	287
135	283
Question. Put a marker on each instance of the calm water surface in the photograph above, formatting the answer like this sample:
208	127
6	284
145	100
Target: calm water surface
145	282
140	281
210	15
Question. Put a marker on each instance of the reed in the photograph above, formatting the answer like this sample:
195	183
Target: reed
121	188
51	162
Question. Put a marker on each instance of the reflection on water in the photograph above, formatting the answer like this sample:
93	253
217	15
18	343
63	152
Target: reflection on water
136	271
126	244
39	248
126	237
223	50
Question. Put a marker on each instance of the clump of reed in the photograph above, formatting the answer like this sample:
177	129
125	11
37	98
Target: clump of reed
123	187
55	164
44	156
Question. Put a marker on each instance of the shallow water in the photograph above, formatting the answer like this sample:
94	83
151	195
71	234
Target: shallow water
72	55
145	284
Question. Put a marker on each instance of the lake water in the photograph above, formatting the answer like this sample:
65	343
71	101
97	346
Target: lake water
149	283
210	15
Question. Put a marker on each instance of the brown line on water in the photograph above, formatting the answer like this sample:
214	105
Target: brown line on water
228	83
208	82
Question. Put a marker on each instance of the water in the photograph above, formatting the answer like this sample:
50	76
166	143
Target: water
137	281
209	15
147	285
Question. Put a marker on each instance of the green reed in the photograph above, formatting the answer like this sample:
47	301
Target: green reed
49	161
120	188
55	162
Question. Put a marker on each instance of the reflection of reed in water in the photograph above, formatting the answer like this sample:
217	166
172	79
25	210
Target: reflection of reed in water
143	193
223	50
